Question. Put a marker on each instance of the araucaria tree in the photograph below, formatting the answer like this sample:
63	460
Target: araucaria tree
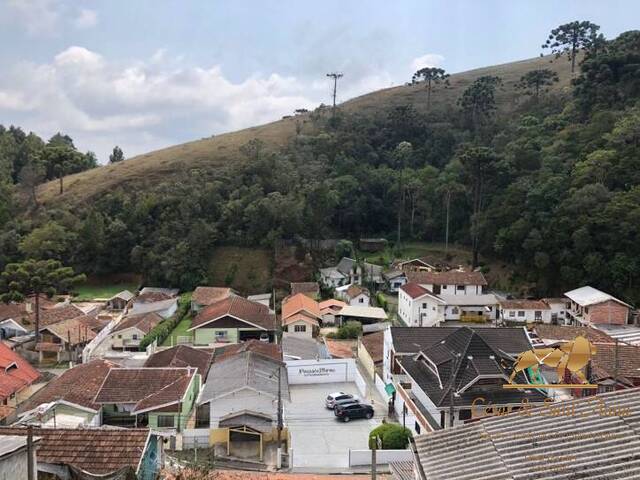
478	163
572	37
537	81
478	101
430	76
36	277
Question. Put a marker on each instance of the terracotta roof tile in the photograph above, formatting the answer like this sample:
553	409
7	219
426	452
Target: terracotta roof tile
301	317
97	451
452	277
78	385
15	372
331	303
210	295
355	290
374	344
561	333
340	348
188	474
73	329
58	314
142	386
182	356
270	350
628	360
299	303
246	310
143	322
414	290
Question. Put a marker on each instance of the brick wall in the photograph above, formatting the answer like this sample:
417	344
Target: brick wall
608	312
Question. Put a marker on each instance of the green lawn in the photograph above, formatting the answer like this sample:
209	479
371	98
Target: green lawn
88	292
180	330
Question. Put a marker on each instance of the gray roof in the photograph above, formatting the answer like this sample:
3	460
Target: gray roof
169	291
391	274
582	444
125	295
162	305
346	265
302	348
12	443
245	370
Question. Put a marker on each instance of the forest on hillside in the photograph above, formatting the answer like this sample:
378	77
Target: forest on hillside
553	188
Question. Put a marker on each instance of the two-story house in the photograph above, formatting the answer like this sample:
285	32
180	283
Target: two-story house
418	307
590	306
301	316
417	368
232	320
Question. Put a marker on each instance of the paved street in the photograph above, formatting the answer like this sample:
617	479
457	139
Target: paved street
318	439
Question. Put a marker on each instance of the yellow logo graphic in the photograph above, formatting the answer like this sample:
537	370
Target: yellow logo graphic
573	356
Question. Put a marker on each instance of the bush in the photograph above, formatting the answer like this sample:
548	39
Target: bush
164	328
382	301
349	330
393	436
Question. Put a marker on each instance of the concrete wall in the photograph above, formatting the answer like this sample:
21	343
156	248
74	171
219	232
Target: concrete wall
361	300
308	331
245	399
321	371
365	360
363	457
15	466
125	338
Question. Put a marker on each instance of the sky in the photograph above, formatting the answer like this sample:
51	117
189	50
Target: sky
146	74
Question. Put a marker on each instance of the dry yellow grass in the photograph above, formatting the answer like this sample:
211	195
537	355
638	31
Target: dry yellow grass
224	149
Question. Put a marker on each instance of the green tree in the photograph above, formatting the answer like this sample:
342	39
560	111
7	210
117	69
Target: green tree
431	76
392	436
449	186
117	155
50	241
402	153
537	81
478	101
572	37
36	277
478	164
32	175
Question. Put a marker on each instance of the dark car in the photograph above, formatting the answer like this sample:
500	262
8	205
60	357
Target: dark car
345	401
348	411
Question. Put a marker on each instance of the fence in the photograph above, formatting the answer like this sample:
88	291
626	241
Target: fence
98	339
359	458
360	383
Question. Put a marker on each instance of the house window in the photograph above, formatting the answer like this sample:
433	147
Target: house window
521	313
444	287
220	335
119	337
299	328
460	287
424	305
361	300
134	336
416	427
165	421
454	311
512	313
464	415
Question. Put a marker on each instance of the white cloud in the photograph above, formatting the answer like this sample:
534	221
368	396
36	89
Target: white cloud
38	17
143	105
428	60
86	18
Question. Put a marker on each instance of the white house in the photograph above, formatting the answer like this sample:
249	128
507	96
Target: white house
470	307
525	311
453	282
10	328
558	308
395	279
418	307
348	271
357	296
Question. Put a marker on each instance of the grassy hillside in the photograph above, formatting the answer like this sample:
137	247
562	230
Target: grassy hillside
248	270
223	149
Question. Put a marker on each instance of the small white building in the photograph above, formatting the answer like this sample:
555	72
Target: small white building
130	331
356	296
558	308
474	308
417	307
525	311
395	279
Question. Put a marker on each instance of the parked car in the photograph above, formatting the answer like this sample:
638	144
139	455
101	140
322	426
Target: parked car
348	411
351	399
337	396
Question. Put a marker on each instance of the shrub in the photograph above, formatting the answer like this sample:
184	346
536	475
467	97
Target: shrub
393	436
164	328
349	330
382	301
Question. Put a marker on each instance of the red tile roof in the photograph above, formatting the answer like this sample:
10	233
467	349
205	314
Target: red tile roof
332	303
355	290
270	350
150	297
58	314
523	304
15	372
628	360
340	348
143	322
374	344
251	312
94	450
72	329
300	303
189	474
147	388
452	277
209	295
182	356
414	290
301	317
560	333
78	385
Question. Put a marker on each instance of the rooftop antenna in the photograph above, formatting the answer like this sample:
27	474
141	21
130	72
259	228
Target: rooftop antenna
335	76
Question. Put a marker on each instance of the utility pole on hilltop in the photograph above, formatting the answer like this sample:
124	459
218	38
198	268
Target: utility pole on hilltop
335	76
